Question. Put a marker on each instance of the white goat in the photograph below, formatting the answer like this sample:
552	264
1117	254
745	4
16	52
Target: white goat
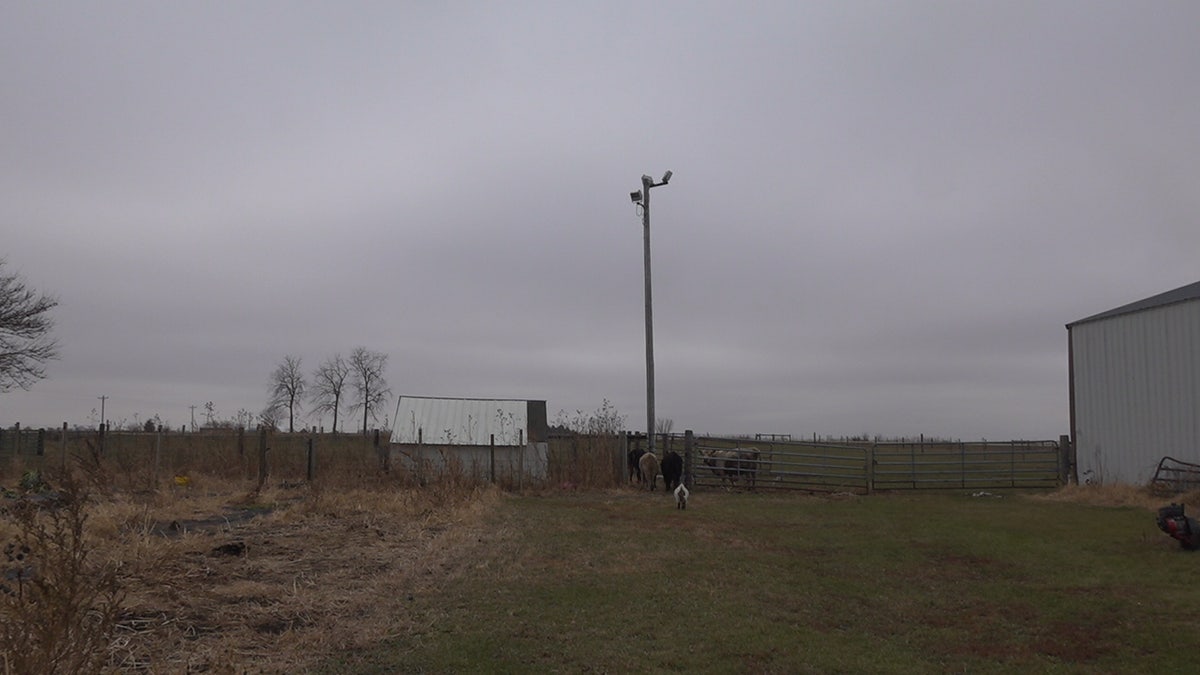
681	496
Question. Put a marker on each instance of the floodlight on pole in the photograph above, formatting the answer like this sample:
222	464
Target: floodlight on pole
642	198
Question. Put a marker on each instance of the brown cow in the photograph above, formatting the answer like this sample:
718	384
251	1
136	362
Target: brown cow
748	459
724	464
731	465
650	467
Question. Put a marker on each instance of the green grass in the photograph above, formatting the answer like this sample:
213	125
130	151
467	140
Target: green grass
622	582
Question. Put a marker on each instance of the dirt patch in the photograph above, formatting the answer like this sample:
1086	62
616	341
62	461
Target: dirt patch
226	521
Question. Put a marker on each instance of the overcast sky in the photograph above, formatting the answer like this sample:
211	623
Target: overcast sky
881	217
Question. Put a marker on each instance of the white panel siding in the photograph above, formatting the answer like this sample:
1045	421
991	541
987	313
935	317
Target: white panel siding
460	421
1137	391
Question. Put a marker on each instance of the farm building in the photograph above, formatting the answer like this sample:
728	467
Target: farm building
482	437
1135	387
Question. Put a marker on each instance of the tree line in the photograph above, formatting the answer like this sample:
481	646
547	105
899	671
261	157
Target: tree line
338	383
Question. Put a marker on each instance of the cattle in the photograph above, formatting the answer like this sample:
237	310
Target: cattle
650	467
681	497
748	459
672	470
724	465
634	468
731	465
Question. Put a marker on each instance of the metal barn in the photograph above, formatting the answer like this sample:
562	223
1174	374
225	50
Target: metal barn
1135	387
498	437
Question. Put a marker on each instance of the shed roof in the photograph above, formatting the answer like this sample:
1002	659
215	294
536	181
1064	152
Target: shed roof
460	421
1181	294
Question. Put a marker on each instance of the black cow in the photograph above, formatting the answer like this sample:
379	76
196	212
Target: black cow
635	468
672	469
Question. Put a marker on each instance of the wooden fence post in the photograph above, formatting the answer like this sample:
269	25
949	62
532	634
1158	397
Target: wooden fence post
383	454
64	446
622	460
312	461
521	460
689	467
492	457
262	458
157	453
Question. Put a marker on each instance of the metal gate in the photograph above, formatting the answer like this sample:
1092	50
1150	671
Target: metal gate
863	468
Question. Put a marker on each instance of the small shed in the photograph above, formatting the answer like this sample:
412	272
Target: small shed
491	438
1135	387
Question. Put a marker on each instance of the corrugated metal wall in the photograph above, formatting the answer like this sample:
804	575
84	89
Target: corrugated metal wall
460	421
1136	392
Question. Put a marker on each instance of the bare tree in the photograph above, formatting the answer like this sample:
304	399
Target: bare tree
329	386
269	417
366	368
25	323
287	388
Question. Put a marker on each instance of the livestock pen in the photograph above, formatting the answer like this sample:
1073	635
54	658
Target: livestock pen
865	467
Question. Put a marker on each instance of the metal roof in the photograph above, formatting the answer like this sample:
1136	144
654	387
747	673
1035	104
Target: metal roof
460	421
1181	294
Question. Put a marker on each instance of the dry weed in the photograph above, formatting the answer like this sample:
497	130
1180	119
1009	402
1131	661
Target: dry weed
286	576
59	602
1116	495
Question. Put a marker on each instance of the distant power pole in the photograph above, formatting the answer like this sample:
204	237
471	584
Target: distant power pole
193	408
102	400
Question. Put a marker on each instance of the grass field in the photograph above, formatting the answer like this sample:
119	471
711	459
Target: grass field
619	581
456	577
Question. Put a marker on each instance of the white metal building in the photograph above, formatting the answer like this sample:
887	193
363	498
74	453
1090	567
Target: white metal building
1135	387
471	434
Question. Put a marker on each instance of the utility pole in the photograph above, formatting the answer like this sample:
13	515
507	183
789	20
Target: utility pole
193	417
102	400
642	197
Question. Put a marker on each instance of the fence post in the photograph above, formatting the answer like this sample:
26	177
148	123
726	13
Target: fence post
688	465
384	455
962	464
312	460
621	463
1012	463
157	453
492	458
262	458
64	446
1064	458
870	458
521	460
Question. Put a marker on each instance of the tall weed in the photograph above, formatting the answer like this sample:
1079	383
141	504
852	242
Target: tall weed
58	603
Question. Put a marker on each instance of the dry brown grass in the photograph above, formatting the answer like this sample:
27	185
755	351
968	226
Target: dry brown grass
1119	495
227	580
